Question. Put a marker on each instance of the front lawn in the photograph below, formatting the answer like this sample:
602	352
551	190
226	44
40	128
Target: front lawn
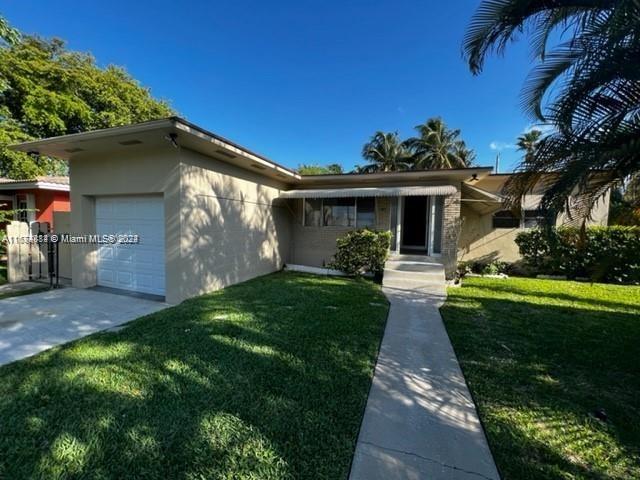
264	380
541	357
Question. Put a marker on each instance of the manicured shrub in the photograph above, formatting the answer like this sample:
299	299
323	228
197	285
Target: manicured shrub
604	254
494	267
362	251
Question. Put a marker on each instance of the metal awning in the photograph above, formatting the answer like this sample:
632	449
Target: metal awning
371	192
482	201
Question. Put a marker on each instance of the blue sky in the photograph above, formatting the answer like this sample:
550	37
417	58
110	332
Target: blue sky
303	81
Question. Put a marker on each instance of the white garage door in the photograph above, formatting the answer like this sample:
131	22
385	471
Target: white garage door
137	267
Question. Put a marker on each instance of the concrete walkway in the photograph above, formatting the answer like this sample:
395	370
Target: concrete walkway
32	323
420	421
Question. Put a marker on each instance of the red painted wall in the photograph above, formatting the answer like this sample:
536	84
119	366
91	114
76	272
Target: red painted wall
47	202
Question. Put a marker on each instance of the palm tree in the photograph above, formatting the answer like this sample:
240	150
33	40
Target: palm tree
437	146
385	152
595	76
528	142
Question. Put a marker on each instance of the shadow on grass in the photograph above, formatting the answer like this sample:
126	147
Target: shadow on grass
630	302
267	379
538	372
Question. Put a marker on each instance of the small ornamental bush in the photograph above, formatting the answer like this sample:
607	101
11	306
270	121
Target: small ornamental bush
495	267
604	254
362	251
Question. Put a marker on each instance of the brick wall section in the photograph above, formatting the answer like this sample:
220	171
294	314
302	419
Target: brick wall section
450	233
316	246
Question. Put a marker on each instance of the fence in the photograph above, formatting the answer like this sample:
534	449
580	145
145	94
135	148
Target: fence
28	259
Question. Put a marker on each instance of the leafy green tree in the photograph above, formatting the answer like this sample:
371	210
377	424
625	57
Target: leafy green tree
46	90
591	79
8	34
314	169
385	153
625	203
437	146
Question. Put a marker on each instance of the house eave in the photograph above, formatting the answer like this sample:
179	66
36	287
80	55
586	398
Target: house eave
34	186
458	175
157	133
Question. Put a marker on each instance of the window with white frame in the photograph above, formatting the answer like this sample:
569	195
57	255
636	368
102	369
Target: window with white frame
25	208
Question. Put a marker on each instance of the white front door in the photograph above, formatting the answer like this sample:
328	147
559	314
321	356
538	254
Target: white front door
137	267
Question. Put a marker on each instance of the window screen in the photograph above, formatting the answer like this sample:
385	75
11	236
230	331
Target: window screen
366	212
312	212
339	212
505	219
533	218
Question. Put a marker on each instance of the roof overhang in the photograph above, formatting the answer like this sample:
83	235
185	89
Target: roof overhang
157	133
29	185
371	192
414	177
481	201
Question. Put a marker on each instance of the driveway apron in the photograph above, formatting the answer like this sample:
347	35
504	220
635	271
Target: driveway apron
32	323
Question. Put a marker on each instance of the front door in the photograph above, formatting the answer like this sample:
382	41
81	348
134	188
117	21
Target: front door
414	223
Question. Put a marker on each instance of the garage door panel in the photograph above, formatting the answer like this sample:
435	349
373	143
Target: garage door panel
126	256
138	267
106	274
106	253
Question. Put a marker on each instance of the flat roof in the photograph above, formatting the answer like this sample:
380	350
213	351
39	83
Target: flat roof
59	183
189	135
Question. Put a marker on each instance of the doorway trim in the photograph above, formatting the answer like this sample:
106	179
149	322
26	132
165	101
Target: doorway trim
401	218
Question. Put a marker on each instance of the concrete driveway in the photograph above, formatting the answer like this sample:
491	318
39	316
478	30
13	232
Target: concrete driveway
32	323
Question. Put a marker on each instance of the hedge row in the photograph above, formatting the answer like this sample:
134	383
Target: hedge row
603	254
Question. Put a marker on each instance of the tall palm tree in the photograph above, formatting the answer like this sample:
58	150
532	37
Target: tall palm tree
437	147
385	152
528	142
595	76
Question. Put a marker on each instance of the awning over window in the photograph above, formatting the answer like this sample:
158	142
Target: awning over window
481	201
371	192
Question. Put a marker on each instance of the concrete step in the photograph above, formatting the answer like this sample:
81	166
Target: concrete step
414	272
435	275
414	258
414	267
431	286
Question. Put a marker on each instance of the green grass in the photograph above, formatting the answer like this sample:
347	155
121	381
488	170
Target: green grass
20	293
540	356
3	273
264	380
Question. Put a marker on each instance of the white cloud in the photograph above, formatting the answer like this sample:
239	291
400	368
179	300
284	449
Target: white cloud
499	146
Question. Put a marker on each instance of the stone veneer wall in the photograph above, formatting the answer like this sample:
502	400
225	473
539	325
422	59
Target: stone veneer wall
451	233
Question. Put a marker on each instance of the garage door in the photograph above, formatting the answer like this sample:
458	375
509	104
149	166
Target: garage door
137	267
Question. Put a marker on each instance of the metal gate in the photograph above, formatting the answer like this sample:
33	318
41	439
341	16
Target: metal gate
46	247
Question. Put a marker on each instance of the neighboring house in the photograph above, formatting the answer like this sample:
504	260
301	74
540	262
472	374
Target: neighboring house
35	200
211	213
